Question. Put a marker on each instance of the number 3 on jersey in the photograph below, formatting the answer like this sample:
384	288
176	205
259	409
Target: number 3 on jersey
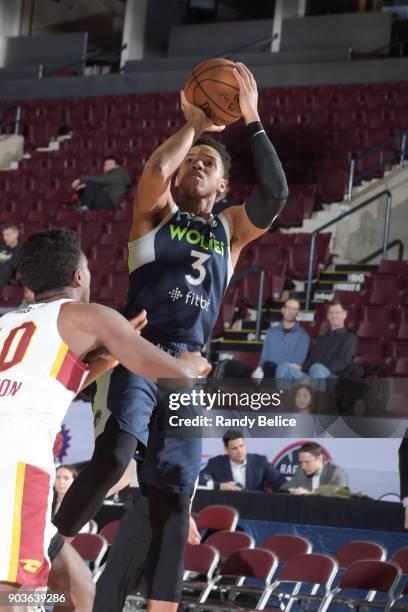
198	266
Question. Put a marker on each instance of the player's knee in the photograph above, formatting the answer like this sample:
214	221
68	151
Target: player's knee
169	516
111	461
118	462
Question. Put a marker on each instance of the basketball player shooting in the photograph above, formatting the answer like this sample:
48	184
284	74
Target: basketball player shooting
181	258
42	352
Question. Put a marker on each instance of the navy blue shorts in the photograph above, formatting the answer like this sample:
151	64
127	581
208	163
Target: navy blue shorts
170	464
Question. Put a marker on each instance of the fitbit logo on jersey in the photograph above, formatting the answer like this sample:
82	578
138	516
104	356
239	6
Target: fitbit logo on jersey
191	298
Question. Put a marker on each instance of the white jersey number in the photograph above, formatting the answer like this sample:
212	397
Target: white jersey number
198	265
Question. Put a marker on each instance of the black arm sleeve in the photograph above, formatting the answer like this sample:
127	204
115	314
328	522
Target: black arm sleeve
266	203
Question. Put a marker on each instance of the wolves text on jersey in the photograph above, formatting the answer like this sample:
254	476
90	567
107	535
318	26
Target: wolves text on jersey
194	237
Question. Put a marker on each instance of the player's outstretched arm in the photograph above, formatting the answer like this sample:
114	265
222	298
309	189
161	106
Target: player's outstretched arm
252	220
84	327
100	361
153	189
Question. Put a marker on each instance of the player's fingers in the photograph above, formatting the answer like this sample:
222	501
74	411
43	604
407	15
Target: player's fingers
246	70
245	73
184	104
239	78
245	81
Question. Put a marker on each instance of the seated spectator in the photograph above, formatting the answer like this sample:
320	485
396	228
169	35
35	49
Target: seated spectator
285	342
103	191
331	356
239	470
64	477
314	471
303	400
9	248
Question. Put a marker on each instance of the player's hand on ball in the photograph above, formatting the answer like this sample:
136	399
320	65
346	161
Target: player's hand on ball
194	113
248	93
139	321
197	363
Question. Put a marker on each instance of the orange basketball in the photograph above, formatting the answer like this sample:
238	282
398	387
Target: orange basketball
213	87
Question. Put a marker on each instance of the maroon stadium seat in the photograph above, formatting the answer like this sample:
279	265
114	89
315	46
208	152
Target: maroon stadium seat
394	267
217	518
109	530
378	330
287	546
227	542
369	576
355	550
91	547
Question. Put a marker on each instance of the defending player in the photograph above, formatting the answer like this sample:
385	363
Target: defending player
42	351
181	258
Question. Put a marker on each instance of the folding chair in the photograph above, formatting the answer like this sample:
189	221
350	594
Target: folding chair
227	542
109	530
400	558
370	576
218	518
253	563
287	546
198	559
306	570
356	550
90	527
91	547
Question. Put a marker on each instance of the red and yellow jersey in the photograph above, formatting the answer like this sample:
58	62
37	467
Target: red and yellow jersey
39	374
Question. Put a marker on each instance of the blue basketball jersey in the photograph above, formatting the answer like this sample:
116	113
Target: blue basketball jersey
179	273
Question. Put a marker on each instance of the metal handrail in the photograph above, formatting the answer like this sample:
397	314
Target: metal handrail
397	242
261	291
255	43
353	210
16	121
92	56
400	155
384	48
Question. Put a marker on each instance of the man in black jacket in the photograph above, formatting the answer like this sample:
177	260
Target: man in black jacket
103	191
331	356
403	472
9	249
239	470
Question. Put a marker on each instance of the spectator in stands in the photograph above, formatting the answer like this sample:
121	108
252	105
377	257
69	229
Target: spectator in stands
64	477
103	191
331	356
239	470
303	400
9	248
314	471
285	342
